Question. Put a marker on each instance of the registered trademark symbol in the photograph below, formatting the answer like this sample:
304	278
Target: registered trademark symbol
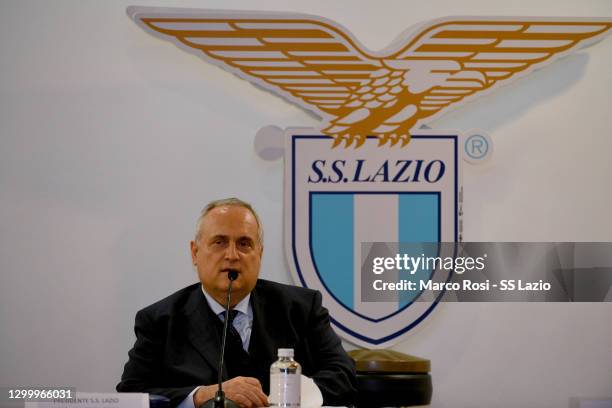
477	147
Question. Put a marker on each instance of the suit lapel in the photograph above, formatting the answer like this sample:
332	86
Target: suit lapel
262	345
201	327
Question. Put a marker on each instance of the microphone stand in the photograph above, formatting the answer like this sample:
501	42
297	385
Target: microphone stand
220	401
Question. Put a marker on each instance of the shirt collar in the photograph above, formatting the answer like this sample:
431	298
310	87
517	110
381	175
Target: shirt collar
242	306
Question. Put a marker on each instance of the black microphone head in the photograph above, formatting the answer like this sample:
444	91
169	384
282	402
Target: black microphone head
232	274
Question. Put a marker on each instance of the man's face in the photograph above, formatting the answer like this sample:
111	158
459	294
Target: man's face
228	240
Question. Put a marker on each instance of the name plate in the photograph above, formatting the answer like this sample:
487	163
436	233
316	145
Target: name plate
95	400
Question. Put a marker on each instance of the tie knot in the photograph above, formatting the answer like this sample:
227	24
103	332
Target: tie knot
232	315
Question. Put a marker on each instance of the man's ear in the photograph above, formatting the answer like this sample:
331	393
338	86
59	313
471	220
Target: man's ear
194	252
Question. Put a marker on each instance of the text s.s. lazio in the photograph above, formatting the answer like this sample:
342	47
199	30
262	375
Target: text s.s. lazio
365	171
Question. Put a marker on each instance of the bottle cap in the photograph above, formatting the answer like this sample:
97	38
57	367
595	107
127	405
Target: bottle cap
285	352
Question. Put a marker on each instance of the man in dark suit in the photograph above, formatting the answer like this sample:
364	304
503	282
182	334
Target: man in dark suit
178	338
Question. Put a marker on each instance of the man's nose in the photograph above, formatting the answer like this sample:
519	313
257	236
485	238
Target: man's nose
232	251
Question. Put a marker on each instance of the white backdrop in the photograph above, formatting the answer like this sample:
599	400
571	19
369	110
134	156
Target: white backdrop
112	140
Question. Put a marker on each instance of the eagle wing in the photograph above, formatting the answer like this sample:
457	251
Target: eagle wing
307	60
318	65
483	53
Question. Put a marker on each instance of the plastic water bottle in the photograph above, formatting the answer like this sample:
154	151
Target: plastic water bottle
285	377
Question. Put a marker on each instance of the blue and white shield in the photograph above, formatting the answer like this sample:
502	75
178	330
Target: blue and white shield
340	200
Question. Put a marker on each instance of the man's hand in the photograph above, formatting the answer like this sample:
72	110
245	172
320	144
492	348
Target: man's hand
244	391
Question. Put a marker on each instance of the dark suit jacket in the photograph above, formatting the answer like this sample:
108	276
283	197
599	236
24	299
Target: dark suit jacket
177	343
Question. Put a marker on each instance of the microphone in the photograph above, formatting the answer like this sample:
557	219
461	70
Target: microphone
220	401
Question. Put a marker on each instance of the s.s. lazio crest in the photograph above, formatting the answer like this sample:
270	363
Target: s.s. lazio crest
336	200
368	173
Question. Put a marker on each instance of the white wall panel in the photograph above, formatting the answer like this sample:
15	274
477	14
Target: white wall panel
112	140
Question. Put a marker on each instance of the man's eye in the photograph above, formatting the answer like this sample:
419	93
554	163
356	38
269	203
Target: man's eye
245	244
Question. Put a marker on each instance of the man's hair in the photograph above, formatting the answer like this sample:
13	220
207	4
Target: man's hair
225	202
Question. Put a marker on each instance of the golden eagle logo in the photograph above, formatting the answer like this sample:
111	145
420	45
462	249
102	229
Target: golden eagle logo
320	66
